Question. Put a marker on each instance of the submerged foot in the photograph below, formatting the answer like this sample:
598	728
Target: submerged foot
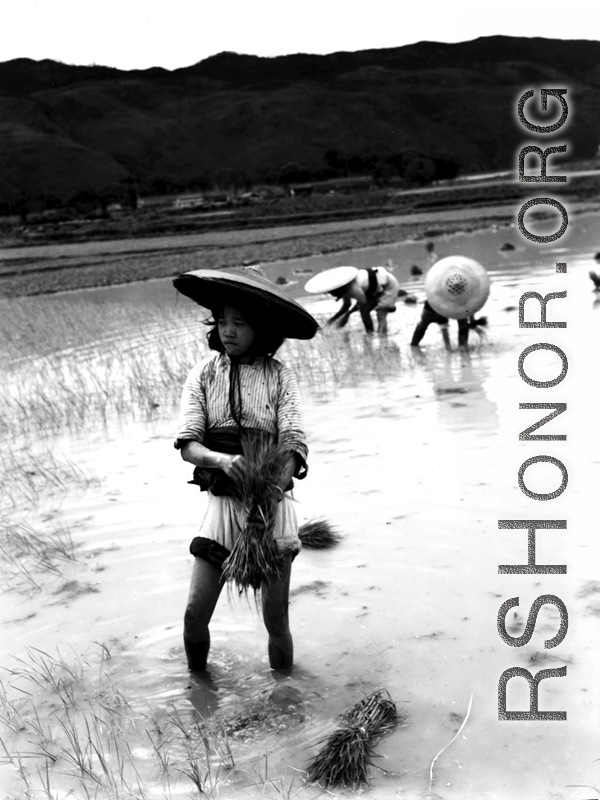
204	692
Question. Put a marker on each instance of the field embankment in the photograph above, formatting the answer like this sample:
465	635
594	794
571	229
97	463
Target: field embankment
156	243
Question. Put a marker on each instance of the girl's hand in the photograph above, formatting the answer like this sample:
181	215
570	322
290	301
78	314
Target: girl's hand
201	456
233	466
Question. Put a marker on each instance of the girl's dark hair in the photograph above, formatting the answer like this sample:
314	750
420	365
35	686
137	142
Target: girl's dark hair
267	339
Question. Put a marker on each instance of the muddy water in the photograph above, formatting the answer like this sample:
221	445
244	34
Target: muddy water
415	469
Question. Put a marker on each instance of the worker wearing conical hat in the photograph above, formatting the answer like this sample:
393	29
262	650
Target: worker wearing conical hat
456	287
372	289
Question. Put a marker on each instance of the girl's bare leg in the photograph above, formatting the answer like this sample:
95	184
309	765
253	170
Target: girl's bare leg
275	607
205	588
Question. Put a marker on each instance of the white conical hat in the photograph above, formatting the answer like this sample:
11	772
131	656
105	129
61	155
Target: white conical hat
331	279
457	287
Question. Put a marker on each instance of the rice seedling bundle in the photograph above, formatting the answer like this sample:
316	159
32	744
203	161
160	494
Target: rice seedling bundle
345	759
318	534
376	713
255	557
348	752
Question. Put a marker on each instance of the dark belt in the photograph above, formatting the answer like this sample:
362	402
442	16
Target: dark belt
229	441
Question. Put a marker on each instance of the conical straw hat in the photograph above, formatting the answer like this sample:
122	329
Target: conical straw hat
457	287
331	279
215	288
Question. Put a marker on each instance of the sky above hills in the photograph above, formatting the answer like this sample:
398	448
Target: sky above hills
137	34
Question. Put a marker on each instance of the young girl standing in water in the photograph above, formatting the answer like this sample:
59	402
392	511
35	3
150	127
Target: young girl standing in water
239	393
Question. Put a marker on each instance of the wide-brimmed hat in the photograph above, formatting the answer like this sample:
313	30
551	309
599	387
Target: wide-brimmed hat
331	279
248	287
457	287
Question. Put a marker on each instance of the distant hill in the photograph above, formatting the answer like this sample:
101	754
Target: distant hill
419	112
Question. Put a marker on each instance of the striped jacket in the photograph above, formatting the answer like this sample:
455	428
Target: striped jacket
270	401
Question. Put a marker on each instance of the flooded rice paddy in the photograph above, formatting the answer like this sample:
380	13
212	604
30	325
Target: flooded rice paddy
413	456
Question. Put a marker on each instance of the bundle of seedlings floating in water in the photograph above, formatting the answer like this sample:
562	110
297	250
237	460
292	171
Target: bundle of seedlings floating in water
318	534
255	557
348	752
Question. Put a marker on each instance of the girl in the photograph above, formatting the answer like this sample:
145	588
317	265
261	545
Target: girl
240	392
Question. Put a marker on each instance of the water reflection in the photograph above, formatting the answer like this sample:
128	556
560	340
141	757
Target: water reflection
463	401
